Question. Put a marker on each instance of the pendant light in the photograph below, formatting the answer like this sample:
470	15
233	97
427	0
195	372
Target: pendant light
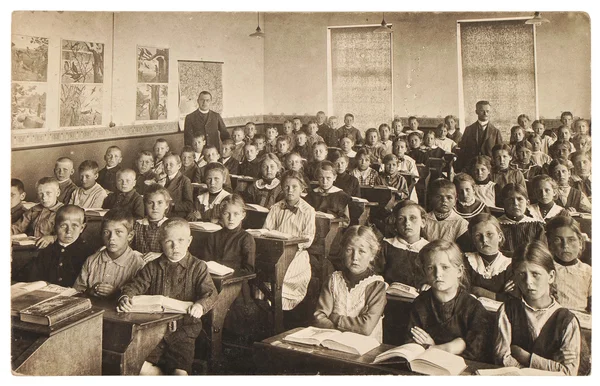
259	33
383	28
537	19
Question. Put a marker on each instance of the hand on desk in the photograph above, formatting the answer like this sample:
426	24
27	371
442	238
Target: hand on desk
194	216
44	241
196	310
124	304
103	289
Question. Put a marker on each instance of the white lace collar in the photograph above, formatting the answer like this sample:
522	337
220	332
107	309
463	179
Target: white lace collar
203	198
261	184
399	243
498	266
333	189
145	221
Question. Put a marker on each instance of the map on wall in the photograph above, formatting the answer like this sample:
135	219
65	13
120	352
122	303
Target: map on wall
29	72
82	78
152	83
195	77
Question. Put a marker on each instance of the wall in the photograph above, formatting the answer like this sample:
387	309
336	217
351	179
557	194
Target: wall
425	61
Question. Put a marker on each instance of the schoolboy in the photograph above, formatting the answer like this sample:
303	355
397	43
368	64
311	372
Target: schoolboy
537	154
302	148
332	122
160	149
271	143
17	195
525	123
179	187
348	130
144	163
325	131
249	131
385	135
198	145
207	204
105	271
179	275
63	170
582	172
260	142
61	262
38	221
416	152
238	142
581	127
523	161
443	222
90	194
566	118
346	145
297	124
406	164
231	163
312	136
283	147
211	155
107	177
157	202
287	129
251	165
189	168
413	125
430	145
319	154
502	173
344	180
125	196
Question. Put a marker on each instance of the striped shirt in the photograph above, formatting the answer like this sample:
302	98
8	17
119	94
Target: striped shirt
89	198
101	268
38	221
573	285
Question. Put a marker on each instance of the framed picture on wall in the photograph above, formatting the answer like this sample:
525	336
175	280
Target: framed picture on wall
152	83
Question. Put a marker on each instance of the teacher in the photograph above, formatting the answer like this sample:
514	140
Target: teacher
205	121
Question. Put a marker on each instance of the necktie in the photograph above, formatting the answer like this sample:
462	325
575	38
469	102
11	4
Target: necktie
293	209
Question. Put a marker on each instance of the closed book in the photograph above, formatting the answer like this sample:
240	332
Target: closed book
217	269
204	226
30	299
53	311
402	290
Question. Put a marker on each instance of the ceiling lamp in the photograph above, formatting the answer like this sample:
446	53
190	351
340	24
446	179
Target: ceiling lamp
383	28
259	33
537	19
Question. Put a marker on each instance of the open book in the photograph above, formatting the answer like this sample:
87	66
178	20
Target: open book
24	295
257	208
204	226
217	269
95	212
152	304
512	371
402	290
431	361
269	233
348	342
22	239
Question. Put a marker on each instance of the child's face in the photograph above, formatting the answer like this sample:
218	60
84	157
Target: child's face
145	163
414	124
391	166
400	148
515	204
260	144
533	281
564	244
312	129
211	155
340	165
63	170
271	133
88	178
561	174
320	153
564	134
409	223
519	134
297	125
567	120
238	135
372	138
320	119
283	147
584	142
385	133
562	152
451	123
48	194
523	155
348	121
582	127
544	192
175	242
502	159
250	131
69	228
160	149
443	200
538	128
442	132
536	144
226	151
187	159
480	172
414	142
301	139
214	181
358	256
113	157
116	237
269	169
15	196
198	144
346	144
583	166
429	139
232	216
294	163
523	122
171	165
364	161
486	238
326	179
250	152
465	191
292	189
125	182
441	274
333	123
397	128
156	206
288	128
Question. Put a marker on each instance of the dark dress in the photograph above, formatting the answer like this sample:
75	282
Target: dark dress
494	280
107	178
521	232
469	211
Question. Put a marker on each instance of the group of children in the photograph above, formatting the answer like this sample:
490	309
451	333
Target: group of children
527	257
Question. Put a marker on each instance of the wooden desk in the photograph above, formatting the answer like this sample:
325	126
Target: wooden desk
365	210
274	356
379	194
21	255
130	337
71	347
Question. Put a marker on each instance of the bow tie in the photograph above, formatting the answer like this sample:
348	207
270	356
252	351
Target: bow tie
293	209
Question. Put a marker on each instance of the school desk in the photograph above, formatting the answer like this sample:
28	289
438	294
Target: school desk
274	356
364	208
71	347
21	255
379	194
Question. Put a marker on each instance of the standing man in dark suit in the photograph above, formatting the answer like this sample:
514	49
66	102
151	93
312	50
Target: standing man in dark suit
480	137
205	121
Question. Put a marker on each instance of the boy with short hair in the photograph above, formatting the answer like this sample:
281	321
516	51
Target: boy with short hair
198	145
406	164
319	154
250	132
63	170
90	194
502	173
238	141
566	118
325	131
348	183
231	163
105	271
125	196
179	187
283	147
207	205
61	262
348	130
312	136
144	165
287	129
260	142
177	274
189	168
537	154
38	221
250	166
157	202
271	142
160	149
17	195
211	155
107	177
443	222
523	161
302	148
582	172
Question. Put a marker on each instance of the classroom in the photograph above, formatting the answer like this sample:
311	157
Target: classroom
301	193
